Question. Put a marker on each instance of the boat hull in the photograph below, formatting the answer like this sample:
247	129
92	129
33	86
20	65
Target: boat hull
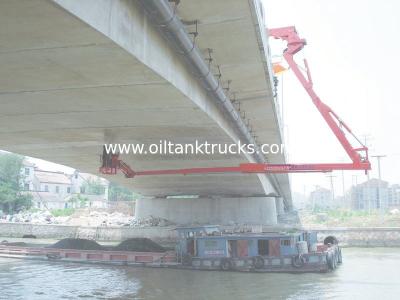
311	262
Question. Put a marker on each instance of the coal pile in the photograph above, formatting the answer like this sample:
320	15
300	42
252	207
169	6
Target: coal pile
16	244
139	245
77	244
134	244
29	236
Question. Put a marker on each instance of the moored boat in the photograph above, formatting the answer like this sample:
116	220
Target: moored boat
204	248
207	247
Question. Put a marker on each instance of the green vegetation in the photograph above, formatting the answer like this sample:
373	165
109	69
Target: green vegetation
94	187
79	201
347	214
62	212
344	214
12	197
116	192
120	193
349	218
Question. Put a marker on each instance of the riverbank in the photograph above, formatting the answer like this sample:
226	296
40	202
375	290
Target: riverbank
363	237
334	218
18	230
348	237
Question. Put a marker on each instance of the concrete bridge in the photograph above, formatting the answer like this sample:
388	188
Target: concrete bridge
77	74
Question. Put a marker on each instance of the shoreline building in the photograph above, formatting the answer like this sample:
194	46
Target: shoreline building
58	190
374	194
321	198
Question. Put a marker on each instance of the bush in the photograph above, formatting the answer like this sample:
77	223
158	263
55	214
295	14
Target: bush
12	197
62	212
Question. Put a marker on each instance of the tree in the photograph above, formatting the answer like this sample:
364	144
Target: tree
94	187
117	192
12	198
78	201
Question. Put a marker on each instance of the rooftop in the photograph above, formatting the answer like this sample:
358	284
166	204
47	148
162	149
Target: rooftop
52	177
93	178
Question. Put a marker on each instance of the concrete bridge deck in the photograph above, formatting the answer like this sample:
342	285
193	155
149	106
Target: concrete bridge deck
78	74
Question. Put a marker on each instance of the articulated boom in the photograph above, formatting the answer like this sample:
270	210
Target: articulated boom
359	155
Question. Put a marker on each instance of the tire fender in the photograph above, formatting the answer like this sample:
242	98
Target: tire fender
258	262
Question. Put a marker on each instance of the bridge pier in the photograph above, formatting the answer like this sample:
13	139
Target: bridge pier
280	207
210	210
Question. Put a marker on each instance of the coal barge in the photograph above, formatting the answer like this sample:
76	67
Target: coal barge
199	248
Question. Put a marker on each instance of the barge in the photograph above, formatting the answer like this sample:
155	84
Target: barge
209	248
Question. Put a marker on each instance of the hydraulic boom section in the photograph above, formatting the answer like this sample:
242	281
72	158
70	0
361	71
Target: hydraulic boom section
111	162
358	155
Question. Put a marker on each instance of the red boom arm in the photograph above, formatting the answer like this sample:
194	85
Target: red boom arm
359	156
294	45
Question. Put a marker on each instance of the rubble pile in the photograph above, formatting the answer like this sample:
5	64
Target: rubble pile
39	217
116	219
134	244
102	218
86	218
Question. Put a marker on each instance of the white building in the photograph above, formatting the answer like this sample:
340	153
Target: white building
81	182
394	196
371	194
27	172
321	198
57	190
52	182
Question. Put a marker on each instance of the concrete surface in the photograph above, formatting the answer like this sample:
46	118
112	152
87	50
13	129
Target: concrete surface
280	209
17	230
216	210
70	84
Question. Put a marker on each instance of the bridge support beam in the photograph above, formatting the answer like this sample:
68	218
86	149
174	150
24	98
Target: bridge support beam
210	210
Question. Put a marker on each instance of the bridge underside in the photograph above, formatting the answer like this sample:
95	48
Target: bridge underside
67	88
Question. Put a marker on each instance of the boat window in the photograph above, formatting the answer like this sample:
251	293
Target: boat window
285	242
190	247
263	247
232	248
210	243
242	248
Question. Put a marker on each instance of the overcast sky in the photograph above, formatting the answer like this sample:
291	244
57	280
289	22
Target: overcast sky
353	53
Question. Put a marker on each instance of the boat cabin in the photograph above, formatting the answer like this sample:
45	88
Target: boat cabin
209	241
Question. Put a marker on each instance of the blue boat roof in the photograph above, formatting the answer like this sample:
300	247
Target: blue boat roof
251	235
197	227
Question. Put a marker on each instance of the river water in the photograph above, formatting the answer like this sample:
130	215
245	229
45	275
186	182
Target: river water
372	273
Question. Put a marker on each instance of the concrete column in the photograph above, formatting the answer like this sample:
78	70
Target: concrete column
213	210
280	208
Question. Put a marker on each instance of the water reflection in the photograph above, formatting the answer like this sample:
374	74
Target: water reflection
366	273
